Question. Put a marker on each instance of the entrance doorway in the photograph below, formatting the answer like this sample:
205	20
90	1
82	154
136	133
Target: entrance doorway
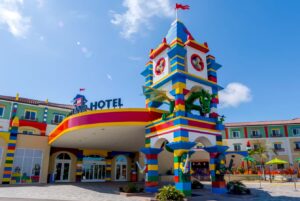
121	168
93	168
62	167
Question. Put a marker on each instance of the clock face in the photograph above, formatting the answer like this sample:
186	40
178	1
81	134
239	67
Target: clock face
160	66
197	62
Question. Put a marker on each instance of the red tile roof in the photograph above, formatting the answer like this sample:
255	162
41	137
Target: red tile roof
264	123
36	102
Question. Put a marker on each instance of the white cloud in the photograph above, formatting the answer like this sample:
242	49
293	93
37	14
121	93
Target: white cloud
109	76
12	17
139	14
234	94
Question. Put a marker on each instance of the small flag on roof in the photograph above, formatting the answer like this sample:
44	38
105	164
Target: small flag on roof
82	89
183	7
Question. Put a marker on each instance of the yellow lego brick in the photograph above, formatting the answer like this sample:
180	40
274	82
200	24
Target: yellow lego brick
152	167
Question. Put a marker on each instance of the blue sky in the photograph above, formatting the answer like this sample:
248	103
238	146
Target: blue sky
50	49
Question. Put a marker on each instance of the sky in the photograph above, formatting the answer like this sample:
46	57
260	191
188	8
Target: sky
51	48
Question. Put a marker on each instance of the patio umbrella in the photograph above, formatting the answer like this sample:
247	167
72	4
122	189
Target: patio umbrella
276	161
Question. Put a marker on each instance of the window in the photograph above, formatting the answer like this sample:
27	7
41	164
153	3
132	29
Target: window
255	133
297	145
27	166
236	134
2	111
28	132
30	115
275	132
277	146
296	131
58	118
237	147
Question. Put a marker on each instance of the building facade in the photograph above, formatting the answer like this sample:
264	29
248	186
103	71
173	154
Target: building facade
24	128
280	138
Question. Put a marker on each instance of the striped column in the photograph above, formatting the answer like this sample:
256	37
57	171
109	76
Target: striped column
148	74
182	180
108	169
11	147
79	168
217	159
151	178
178	89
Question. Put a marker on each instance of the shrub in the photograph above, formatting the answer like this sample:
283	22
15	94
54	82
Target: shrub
237	188
169	192
197	185
131	188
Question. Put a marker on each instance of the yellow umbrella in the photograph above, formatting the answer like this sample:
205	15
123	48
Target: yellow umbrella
276	161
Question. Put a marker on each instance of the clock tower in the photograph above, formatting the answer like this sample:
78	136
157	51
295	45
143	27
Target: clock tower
182	77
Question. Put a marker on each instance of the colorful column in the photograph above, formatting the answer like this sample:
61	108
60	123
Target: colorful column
177	63
11	147
182	178
79	165
151	178
108	169
217	168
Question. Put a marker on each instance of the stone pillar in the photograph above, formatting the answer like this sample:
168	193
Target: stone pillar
79	168
217	168
151	178
182	180
108	169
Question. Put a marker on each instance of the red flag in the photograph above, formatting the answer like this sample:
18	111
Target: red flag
183	7
82	89
248	144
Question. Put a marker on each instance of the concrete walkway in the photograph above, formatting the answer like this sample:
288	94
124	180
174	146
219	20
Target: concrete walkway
109	192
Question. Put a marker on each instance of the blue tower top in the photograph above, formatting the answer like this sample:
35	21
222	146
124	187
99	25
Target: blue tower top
177	30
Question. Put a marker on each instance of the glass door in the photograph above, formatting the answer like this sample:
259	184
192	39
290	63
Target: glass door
93	169
121	168
62	172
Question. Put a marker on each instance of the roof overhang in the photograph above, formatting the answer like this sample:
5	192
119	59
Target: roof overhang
114	129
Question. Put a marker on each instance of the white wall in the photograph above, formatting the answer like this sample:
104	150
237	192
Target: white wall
167	66
190	68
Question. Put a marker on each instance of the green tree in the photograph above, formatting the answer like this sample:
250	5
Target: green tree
262	153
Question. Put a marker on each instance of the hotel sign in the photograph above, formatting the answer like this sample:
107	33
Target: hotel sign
106	104
80	104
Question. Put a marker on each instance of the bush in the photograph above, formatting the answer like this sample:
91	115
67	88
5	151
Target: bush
197	185
237	188
131	188
169	192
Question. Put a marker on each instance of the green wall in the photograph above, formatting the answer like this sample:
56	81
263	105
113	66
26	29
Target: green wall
7	109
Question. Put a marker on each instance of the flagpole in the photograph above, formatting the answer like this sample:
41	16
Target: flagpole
176	13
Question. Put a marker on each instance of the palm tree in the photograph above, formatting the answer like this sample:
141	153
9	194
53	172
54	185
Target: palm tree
262	153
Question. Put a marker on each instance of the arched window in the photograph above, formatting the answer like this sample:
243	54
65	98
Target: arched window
63	156
121	159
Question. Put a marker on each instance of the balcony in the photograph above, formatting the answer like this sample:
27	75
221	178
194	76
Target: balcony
279	150
55	122
28	119
276	135
256	136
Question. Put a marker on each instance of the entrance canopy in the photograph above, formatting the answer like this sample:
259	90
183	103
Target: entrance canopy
114	129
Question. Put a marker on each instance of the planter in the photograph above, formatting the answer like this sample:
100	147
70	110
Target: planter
133	194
